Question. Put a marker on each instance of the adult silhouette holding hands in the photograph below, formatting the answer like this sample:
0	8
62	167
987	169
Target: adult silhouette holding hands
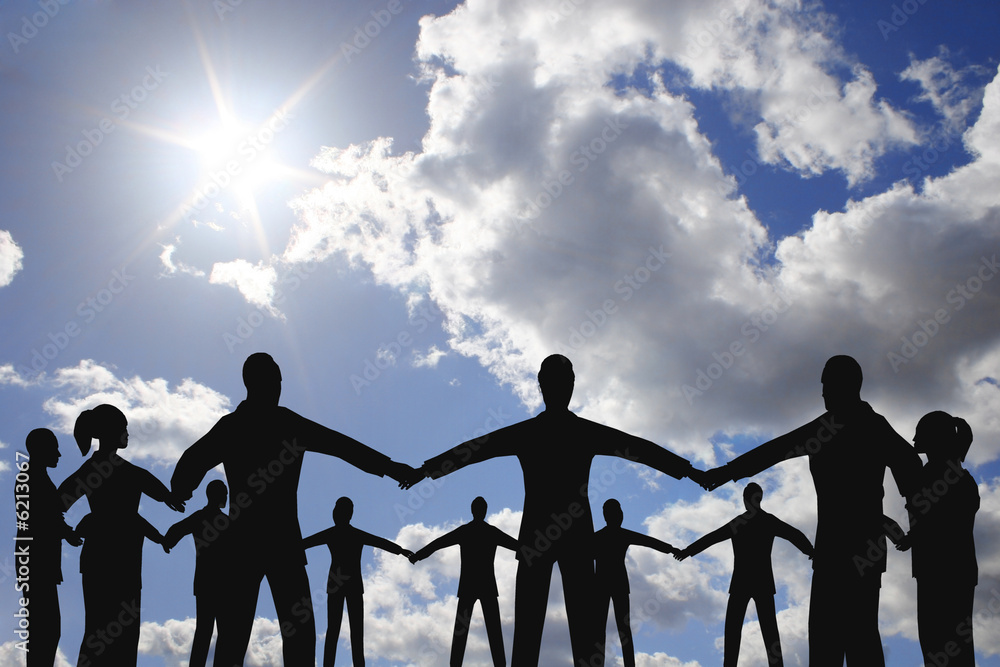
207	526
344	584
478	542
111	559
43	533
942	518
752	534
610	546
849	448
555	449
261	446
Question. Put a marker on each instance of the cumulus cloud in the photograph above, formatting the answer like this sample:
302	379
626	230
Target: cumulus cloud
172	639
163	420
10	258
429	359
172	266
947	89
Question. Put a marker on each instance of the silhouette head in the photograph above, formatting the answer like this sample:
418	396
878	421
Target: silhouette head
841	380
43	447
106	423
343	510
262	378
942	437
217	493
752	495
555	379
479	508
613	514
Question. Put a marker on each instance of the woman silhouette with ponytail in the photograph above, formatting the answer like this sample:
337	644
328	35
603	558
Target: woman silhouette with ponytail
111	559
942	516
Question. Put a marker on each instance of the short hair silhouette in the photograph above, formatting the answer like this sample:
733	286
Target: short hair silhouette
479	508
105	422
844	373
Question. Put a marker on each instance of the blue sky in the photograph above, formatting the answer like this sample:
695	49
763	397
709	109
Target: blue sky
410	219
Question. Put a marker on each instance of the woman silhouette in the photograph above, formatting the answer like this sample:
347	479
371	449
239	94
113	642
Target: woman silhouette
111	559
942	516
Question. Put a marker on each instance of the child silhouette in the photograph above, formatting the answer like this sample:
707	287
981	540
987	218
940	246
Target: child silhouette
478	541
610	545
753	534
344	583
204	526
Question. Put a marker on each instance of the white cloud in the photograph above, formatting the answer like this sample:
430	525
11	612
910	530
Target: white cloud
255	282
172	639
171	266
9	376
10	258
428	360
163	420
946	88
12	656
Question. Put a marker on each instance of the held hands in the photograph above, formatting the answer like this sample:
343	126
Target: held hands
904	543
414	476
74	539
407	553
175	502
714	478
681	554
400	472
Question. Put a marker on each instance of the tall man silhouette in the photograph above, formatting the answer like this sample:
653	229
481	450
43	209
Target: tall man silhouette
555	449
261	445
849	447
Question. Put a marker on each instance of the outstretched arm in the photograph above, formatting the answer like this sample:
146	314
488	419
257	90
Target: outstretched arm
649	541
799	442
448	539
795	536
197	460
387	545
323	440
316	539
705	541
157	490
149	531
185	526
502	442
612	442
504	540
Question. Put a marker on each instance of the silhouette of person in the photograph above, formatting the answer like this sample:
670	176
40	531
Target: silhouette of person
849	447
111	559
478	542
555	449
610	545
344	583
942	517
43	534
261	445
753	534
207	525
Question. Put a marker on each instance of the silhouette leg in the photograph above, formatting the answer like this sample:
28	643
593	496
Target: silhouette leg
356	617
463	618
769	629
293	604
586	633
491	615
531	596
204	625
736	612
944	623
334	617
43	600
235	609
622	615
829	606
864	644
602	607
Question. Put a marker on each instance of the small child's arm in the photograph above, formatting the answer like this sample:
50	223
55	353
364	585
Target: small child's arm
446	540
795	536
386	545
651	542
896	534
316	539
